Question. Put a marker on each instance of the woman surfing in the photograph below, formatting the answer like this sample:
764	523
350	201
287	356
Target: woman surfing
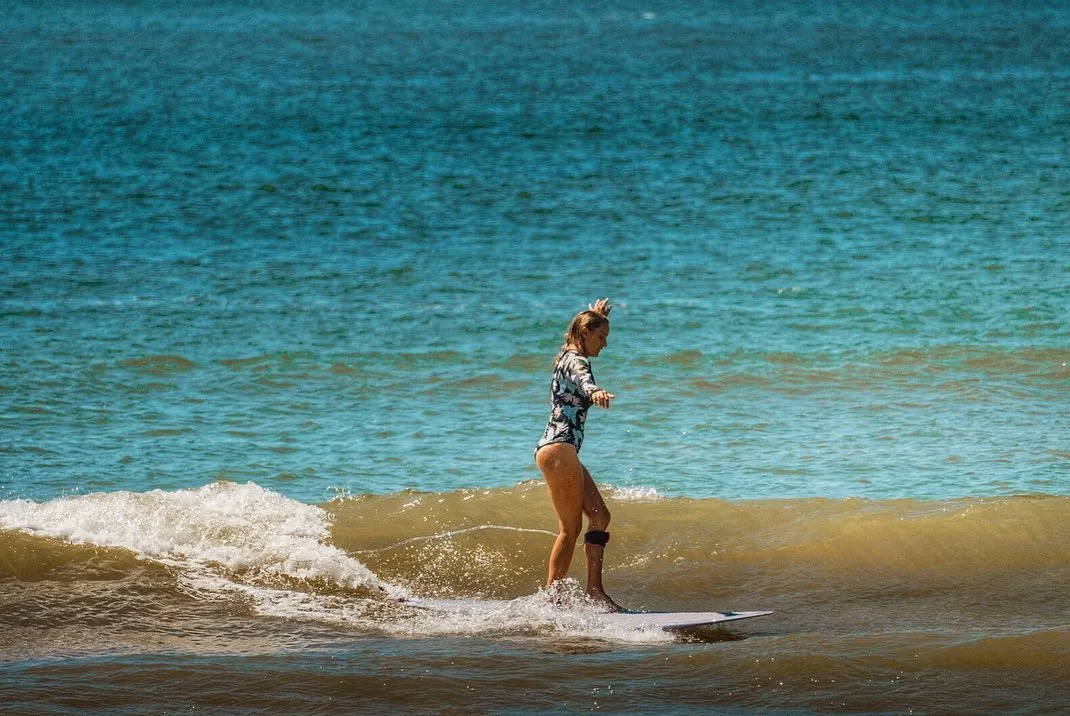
572	391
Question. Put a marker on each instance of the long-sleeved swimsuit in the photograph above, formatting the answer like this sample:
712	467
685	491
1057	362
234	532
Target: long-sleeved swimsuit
571	389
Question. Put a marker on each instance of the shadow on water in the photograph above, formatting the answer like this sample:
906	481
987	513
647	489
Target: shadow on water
708	635
577	647
694	635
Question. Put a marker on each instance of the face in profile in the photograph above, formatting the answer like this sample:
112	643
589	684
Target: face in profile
596	340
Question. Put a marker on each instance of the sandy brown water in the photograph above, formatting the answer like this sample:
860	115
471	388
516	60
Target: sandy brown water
951	606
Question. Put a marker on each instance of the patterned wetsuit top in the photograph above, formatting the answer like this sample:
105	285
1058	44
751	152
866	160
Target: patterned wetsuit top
570	396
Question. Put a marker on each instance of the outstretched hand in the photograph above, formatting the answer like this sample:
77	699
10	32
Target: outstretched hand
601	306
601	398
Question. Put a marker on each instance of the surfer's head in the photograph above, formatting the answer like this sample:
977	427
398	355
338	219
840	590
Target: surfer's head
587	333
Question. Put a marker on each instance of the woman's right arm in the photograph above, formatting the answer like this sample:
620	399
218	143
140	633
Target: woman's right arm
578	370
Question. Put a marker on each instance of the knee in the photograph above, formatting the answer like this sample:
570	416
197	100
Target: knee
570	532
599	520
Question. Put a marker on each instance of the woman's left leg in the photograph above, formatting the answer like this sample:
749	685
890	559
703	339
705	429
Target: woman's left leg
598	521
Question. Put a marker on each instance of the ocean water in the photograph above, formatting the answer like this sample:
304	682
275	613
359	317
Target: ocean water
280	286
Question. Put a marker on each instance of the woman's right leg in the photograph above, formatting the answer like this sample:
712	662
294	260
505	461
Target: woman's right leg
561	468
598	520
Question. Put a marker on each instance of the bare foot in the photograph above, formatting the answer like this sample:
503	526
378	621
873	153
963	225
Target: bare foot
559	595
602	599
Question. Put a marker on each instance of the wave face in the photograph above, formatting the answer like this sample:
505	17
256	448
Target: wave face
494	543
364	561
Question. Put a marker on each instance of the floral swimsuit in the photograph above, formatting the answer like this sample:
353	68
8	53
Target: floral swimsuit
570	395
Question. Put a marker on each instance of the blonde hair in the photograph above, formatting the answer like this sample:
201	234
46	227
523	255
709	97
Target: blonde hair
582	325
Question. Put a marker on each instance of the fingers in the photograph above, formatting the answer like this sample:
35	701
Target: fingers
601	398
602	306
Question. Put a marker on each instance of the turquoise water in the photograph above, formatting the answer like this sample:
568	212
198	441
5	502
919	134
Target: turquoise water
334	251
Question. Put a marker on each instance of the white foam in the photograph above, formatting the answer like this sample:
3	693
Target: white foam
532	615
633	494
568	613
242	528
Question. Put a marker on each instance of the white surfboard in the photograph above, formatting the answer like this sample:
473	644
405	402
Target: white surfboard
676	620
488	608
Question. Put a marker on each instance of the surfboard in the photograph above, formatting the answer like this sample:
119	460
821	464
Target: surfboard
667	621
676	620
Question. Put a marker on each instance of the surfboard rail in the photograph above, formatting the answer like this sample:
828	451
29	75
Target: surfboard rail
679	620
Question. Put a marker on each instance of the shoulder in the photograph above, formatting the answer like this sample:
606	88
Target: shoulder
576	366
574	358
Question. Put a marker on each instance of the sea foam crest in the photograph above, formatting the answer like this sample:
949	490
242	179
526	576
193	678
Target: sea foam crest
238	527
633	494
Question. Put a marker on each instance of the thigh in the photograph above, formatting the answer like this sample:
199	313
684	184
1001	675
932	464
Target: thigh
564	475
593	504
